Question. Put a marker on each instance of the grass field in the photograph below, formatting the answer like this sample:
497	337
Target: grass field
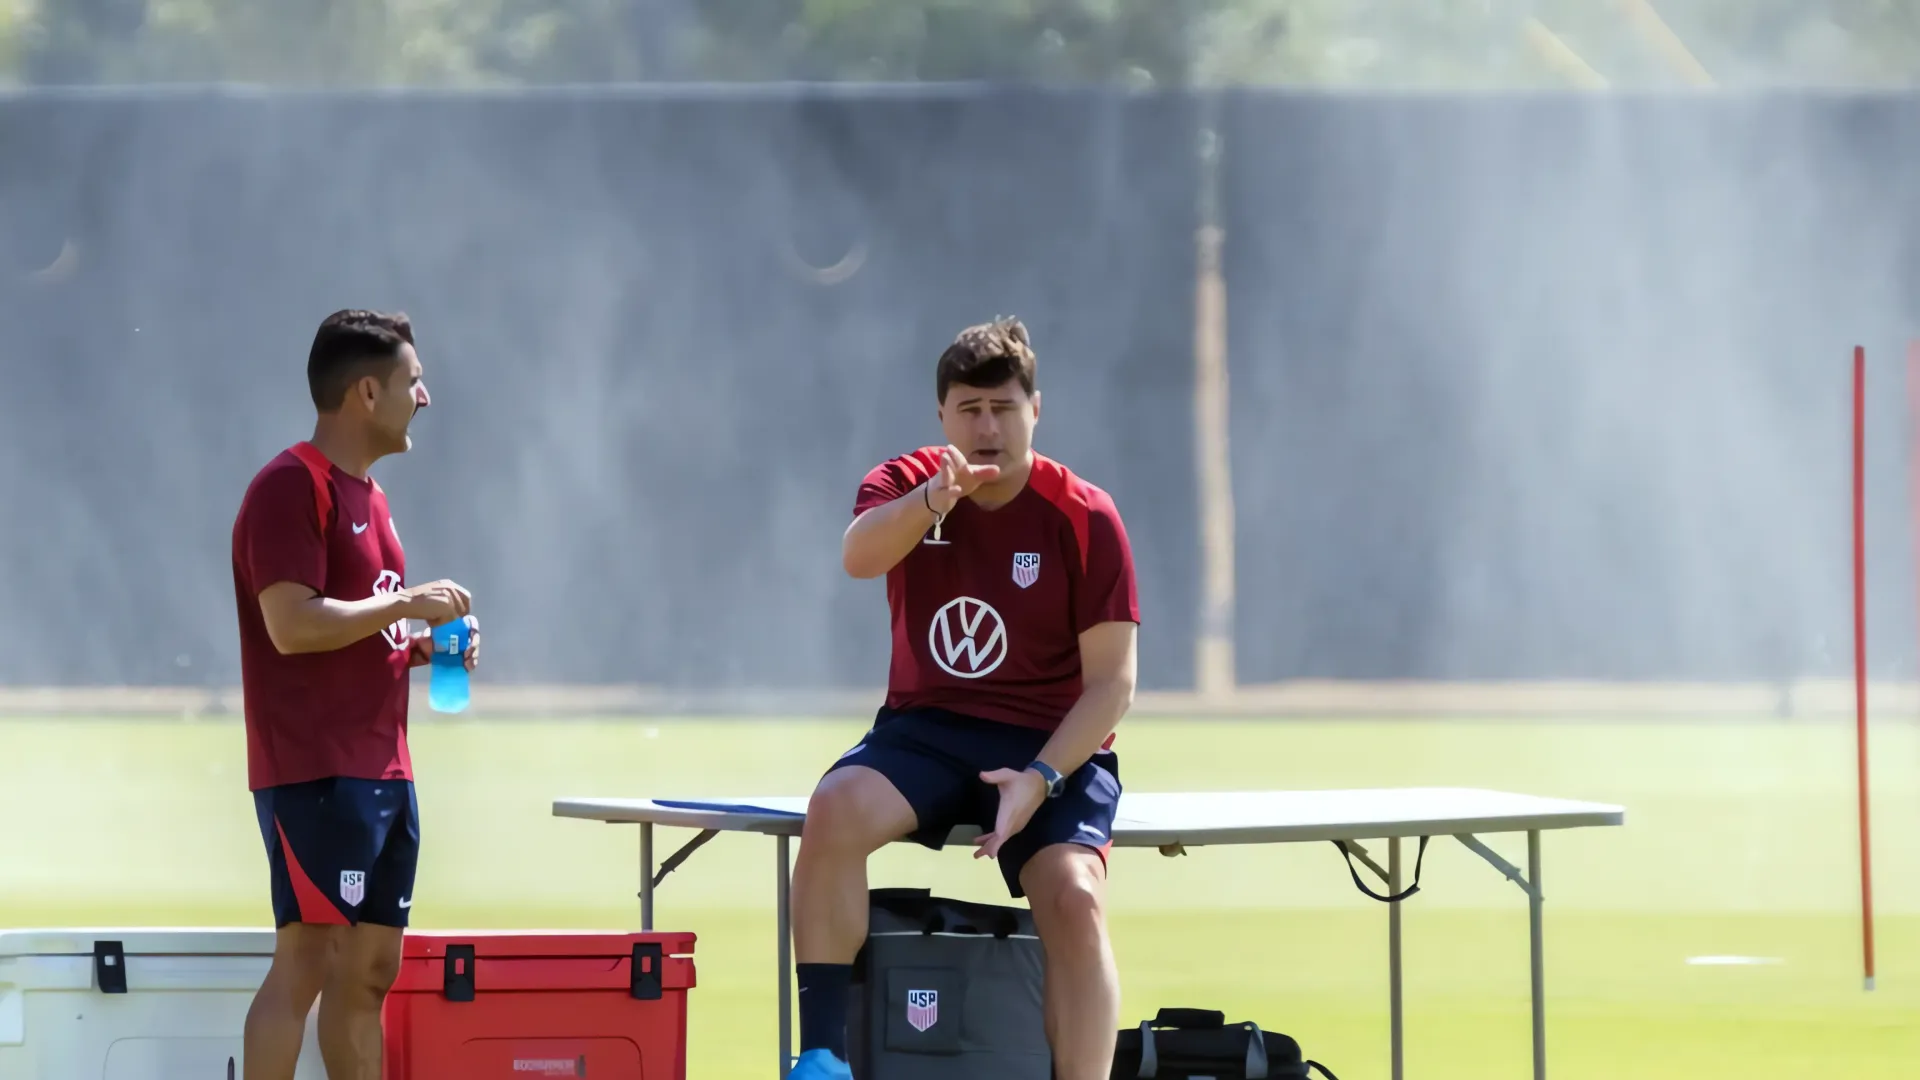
1739	841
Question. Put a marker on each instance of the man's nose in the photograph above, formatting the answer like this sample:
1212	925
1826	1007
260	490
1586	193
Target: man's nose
421	397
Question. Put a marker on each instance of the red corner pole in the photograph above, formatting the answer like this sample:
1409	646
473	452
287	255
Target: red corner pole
1860	649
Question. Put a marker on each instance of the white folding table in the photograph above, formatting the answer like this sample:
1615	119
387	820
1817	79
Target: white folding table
1172	822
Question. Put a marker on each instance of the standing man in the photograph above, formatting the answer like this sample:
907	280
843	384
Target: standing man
320	580
1010	584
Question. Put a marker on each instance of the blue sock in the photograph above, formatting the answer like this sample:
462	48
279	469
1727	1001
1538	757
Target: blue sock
824	989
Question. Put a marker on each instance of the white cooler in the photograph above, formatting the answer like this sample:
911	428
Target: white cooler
132	1004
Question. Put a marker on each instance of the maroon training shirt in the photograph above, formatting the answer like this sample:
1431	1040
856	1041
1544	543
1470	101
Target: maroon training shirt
316	715
987	621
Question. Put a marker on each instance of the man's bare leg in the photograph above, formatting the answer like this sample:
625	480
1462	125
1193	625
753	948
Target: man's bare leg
277	1020
1066	885
854	812
365	965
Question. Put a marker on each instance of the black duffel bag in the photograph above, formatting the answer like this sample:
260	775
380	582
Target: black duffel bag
1199	1044
947	990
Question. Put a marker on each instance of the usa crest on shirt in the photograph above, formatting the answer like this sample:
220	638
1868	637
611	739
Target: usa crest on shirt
1026	568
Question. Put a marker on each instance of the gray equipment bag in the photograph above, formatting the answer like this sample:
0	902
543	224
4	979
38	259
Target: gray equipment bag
947	990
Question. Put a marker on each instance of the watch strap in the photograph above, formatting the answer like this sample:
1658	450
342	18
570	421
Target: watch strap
1055	782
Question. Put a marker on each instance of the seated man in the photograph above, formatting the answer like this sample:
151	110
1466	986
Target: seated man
1014	615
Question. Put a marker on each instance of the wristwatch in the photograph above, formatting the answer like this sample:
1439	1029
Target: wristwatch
1055	782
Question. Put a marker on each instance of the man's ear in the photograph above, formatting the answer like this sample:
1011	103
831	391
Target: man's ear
366	390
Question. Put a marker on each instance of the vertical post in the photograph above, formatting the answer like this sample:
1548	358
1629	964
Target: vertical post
1394	987
1860	651
1913	451
783	906
646	877
1213	643
1537	941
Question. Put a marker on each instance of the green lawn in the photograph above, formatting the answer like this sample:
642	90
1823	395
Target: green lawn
1739	841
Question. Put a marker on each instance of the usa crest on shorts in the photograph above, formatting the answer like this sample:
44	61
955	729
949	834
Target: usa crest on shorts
1026	568
353	886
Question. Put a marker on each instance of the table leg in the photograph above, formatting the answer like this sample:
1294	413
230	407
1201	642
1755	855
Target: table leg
1394	987
1534	919
646	877
783	906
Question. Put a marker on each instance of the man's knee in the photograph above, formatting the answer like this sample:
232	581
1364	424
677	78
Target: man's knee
1067	889
367	964
378	973
302	957
855	810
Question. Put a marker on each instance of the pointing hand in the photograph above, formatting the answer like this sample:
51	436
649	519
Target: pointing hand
955	480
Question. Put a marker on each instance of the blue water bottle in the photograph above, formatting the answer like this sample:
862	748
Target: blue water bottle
447	687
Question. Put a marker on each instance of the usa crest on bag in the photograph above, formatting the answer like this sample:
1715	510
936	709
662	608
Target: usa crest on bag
923	1008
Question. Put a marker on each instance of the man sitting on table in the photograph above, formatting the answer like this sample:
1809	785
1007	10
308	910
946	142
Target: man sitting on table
1011	589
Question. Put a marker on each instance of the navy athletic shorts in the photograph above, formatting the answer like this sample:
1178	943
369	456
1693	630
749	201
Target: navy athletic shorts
935	757
341	851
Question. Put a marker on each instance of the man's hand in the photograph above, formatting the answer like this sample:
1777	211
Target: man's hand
420	648
1021	793
438	602
955	480
881	536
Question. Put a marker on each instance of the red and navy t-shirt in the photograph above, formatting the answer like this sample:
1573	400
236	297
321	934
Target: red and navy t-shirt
315	715
987	617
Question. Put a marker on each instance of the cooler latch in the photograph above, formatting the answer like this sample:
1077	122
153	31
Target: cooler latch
649	981
110	967
457	973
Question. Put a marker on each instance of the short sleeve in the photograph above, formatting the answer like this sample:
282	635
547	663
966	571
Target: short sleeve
1108	593
278	538
889	481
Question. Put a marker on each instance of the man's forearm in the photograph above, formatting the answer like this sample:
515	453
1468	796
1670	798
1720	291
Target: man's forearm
322	624
1087	725
882	536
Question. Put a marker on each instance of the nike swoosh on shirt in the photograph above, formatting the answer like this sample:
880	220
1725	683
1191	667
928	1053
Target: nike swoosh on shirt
358	529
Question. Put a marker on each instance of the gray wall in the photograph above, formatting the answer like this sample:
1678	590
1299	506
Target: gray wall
1559	386
1521	386
647	429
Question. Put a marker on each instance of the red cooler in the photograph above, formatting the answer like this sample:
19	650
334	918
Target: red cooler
519	1006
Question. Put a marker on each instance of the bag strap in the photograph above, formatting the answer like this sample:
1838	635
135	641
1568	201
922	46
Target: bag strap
914	904
1256	1061
1324	1071
1004	924
1149	1054
920	905
322	472
1256	1051
1418	861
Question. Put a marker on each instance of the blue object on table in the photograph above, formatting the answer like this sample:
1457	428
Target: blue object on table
447	686
723	807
